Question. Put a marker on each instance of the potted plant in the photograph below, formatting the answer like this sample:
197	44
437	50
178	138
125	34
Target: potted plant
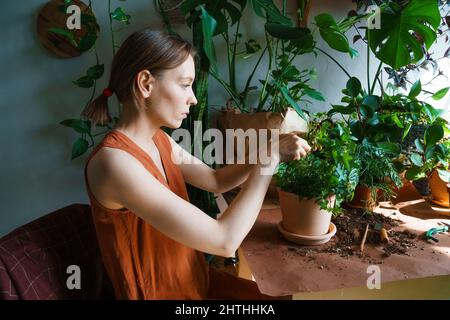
385	120
377	176
313	188
431	160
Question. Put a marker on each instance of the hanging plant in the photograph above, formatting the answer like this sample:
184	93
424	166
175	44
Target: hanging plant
87	43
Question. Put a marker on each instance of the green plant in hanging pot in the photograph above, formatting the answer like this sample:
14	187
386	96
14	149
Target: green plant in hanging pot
313	188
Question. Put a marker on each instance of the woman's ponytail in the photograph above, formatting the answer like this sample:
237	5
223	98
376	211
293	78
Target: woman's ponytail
97	111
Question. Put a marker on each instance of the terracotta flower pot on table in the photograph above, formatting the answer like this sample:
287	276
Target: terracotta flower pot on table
303	221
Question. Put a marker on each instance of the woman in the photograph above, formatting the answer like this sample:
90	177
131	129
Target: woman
151	238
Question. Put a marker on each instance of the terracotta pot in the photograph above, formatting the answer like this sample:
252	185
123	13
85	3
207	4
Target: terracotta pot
438	188
304	216
362	198
286	122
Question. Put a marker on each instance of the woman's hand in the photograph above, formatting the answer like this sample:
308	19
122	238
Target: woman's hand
292	147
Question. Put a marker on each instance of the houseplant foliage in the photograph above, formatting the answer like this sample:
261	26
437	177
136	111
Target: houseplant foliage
329	169
377	172
203	26
283	84
93	74
381	119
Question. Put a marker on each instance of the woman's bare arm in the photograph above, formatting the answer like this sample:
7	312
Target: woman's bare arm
132	186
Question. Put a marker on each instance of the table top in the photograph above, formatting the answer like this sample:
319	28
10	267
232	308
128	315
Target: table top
279	269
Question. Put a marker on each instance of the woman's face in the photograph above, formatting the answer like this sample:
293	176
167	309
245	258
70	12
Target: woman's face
172	95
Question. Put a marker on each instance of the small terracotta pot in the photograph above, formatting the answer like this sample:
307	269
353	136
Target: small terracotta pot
438	188
304	216
362	198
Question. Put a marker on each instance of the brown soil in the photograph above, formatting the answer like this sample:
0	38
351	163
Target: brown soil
350	230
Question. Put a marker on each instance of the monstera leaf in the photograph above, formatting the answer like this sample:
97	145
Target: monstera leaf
403	32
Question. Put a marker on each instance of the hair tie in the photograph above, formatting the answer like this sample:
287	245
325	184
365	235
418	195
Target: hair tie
107	92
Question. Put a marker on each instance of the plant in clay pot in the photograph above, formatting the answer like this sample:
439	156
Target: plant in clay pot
377	175
313	188
431	160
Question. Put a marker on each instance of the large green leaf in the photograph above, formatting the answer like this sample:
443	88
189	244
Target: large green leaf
389	147
354	86
414	173
96	71
300	38
440	94
84	82
433	134
79	147
219	10
80	126
415	89
291	101
317	95
267	9
416	159
208	27
331	33
431	112
396	43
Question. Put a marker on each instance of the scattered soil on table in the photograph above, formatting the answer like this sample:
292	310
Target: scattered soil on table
350	230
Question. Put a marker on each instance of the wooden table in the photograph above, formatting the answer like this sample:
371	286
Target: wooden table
266	257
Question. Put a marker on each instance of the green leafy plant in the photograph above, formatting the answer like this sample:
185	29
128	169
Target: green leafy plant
404	31
94	73
407	27
283	85
203	27
377	171
329	169
432	152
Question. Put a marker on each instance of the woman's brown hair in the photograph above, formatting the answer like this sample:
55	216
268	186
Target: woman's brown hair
152	50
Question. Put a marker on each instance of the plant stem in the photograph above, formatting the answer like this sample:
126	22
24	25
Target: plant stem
368	65
233	58
335	61
247	85
359	33
111	27
228	89
376	77
261	100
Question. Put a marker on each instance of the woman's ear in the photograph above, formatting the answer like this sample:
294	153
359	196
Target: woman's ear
145	82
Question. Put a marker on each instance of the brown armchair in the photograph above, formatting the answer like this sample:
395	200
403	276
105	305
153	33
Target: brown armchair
34	258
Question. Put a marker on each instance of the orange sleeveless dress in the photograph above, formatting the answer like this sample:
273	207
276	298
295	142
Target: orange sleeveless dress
142	262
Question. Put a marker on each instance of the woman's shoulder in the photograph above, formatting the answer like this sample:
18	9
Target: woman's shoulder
102	171
108	159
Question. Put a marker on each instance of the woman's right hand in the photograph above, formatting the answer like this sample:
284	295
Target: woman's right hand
292	147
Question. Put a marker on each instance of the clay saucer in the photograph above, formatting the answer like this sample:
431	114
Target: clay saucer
308	240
